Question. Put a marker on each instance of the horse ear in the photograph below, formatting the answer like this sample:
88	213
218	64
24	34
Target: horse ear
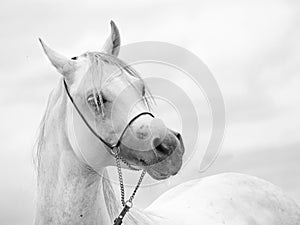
64	65
112	44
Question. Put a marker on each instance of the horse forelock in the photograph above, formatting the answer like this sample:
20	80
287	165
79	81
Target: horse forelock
98	60
52	100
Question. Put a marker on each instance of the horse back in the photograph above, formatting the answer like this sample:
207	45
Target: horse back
229	198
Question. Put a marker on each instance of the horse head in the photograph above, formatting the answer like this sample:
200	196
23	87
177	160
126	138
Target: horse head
113	102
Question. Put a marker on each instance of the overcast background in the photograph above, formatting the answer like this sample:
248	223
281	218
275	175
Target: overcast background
251	47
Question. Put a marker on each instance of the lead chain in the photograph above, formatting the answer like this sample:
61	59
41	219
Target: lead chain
120	179
122	183
128	165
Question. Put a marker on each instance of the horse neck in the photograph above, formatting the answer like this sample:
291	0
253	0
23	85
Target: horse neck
69	191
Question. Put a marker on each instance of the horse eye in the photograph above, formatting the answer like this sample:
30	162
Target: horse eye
74	58
144	91
94	100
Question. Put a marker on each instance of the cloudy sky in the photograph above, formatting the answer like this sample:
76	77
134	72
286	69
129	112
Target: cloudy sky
251	47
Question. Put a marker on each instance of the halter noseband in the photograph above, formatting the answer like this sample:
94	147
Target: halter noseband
114	149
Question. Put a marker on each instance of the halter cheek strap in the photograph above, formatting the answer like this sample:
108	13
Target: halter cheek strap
73	140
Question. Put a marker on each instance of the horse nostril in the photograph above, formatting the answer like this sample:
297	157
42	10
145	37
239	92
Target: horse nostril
160	147
178	136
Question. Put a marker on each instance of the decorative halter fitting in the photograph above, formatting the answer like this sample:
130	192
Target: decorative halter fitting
115	151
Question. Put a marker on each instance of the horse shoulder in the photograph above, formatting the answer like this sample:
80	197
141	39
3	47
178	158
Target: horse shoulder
229	198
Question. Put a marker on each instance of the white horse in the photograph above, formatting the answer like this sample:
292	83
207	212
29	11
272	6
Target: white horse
92	109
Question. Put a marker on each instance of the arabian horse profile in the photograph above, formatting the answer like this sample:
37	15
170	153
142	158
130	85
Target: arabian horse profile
98	116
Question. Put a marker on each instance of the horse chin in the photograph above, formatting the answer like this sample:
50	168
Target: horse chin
158	170
157	175
166	168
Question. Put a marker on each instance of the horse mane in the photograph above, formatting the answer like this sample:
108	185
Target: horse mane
52	100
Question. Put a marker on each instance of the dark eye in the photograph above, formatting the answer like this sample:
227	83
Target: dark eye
144	90
94	100
74	58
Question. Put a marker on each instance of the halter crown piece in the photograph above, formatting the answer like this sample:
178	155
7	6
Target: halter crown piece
115	150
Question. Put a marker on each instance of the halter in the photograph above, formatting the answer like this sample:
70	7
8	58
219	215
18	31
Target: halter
115	150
